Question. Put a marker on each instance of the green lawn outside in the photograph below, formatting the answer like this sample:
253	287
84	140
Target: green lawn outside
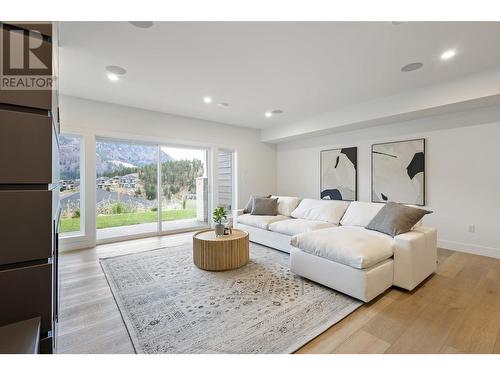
117	220
69	225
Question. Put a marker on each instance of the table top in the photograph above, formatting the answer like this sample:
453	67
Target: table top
209	235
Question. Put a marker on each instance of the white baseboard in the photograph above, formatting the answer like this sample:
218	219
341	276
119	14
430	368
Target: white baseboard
469	248
83	242
69	244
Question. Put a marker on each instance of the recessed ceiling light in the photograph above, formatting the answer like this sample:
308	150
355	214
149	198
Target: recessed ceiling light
113	77
448	54
142	24
114	72
411	67
207	99
115	69
273	112
397	23
223	105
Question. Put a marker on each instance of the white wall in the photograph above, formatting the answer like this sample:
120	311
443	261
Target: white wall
255	160
462	172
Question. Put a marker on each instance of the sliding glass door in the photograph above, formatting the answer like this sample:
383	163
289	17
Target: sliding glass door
184	188
126	189
149	189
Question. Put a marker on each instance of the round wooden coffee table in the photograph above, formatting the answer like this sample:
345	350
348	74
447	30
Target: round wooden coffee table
224	253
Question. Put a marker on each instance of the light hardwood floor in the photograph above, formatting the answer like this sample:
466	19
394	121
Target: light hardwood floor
457	310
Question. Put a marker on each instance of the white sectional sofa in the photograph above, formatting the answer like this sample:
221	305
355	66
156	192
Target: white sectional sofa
328	243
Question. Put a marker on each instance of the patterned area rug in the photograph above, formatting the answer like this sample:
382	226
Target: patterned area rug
171	306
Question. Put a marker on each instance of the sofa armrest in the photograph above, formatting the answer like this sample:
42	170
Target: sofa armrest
415	256
236	213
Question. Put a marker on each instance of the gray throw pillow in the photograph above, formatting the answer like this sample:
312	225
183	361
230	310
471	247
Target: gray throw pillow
265	206
248	207
396	218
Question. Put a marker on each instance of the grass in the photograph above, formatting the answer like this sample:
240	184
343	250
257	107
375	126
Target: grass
69	225
118	220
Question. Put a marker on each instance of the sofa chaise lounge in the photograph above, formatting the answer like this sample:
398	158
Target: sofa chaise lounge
329	244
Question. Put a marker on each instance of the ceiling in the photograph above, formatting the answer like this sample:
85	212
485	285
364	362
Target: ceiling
302	68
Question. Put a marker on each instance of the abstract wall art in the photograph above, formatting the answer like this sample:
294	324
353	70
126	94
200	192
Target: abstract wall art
339	175
398	172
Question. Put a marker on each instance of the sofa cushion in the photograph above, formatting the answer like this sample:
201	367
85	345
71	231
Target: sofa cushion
248	207
286	204
260	221
292	227
360	213
323	210
396	218
265	206
353	246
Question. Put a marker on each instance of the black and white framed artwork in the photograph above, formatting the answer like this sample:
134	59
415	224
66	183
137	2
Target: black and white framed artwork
398	172
339	175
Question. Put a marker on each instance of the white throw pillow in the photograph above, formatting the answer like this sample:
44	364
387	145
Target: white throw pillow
323	210
360	213
286	204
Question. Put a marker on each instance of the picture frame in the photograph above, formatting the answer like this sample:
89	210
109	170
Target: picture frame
339	174
398	172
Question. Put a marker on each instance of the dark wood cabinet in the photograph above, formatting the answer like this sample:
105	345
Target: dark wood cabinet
26	224
28	160
23	337
46	345
29	193
27	293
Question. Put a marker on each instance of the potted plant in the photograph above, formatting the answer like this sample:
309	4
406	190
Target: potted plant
219	215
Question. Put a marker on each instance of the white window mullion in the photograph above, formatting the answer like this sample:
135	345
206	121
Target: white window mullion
225	177
158	189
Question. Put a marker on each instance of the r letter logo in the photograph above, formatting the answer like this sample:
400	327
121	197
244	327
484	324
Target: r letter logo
26	62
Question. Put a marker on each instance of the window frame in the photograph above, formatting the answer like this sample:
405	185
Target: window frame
158	144
233	176
81	232
207	173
